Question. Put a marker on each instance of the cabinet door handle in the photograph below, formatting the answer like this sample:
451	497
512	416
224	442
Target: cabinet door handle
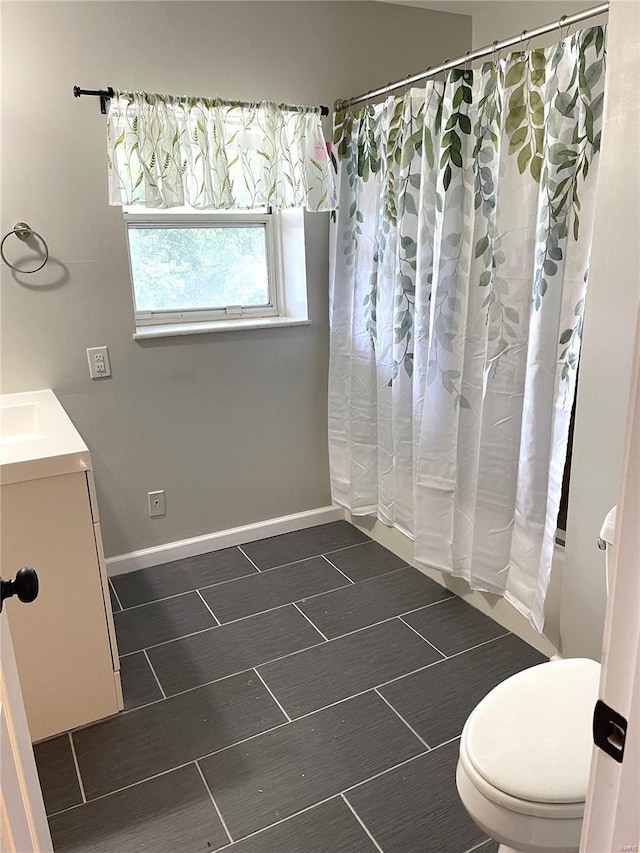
25	586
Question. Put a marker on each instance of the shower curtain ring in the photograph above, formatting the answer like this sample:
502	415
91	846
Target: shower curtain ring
406	85
466	61
560	25
524	47
494	47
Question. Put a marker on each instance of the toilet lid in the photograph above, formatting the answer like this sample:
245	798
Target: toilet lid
531	736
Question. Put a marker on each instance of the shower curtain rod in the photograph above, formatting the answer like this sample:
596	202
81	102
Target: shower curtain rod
564	21
108	93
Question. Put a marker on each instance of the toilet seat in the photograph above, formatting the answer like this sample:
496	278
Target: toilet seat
527	745
519	832
513	804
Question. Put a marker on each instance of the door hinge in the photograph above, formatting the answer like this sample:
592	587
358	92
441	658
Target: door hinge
609	730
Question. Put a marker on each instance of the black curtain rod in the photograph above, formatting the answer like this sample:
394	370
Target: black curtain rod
108	93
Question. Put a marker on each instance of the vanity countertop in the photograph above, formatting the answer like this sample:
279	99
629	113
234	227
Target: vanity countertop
37	438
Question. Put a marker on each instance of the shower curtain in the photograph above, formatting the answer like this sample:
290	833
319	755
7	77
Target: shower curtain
460	253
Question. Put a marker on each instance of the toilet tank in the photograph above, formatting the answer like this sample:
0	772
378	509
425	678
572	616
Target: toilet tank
607	539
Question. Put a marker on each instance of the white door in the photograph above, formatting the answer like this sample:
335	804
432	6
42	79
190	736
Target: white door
612	813
23	822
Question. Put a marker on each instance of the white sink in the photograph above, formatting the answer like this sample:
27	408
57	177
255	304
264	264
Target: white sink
22	422
37	439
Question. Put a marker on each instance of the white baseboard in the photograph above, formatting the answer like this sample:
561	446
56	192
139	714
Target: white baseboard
222	539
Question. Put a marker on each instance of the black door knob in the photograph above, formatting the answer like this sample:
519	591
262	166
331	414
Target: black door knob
25	586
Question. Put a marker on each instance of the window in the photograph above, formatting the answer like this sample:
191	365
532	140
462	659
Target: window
200	272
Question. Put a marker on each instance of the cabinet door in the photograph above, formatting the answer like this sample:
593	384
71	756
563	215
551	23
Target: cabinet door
61	641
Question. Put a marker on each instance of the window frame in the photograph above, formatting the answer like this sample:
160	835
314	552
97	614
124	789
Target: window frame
212	219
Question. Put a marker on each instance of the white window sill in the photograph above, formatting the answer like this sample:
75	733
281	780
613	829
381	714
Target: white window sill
170	330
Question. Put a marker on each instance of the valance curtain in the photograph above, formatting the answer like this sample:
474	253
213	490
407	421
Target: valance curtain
169	152
459	267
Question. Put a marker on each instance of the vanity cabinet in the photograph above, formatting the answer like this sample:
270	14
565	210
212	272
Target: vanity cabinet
65	644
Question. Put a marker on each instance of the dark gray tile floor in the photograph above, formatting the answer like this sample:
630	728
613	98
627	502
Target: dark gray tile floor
405	814
302	694
139	684
150	624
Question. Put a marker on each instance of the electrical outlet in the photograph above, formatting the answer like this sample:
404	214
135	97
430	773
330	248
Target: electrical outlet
99	364
156	504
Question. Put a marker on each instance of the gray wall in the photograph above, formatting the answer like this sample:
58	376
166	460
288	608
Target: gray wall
505	18
231	425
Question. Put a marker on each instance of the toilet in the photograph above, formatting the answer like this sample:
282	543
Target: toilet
525	752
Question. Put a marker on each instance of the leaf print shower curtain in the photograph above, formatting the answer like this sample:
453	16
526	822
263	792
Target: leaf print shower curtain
459	267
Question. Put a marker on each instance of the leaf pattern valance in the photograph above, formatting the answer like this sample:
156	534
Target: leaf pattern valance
164	152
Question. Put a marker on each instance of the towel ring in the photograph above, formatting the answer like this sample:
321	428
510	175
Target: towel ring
23	232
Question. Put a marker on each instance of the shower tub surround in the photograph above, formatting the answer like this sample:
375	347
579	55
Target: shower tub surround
303	693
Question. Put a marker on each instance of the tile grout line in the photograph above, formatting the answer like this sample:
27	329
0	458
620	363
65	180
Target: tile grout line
212	627
327	592
164	695
215	805
113	590
436	662
244	554
184	592
348	547
424	606
397	766
307	649
282	820
328	639
271	609
77	766
165	598
315	627
447	742
422	637
119	790
260	612
174	640
208	755
266	571
218	623
388	770
242	577
401	718
401	764
478	846
246	740
271	693
333	566
313	557
339	794
304	560
361	822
